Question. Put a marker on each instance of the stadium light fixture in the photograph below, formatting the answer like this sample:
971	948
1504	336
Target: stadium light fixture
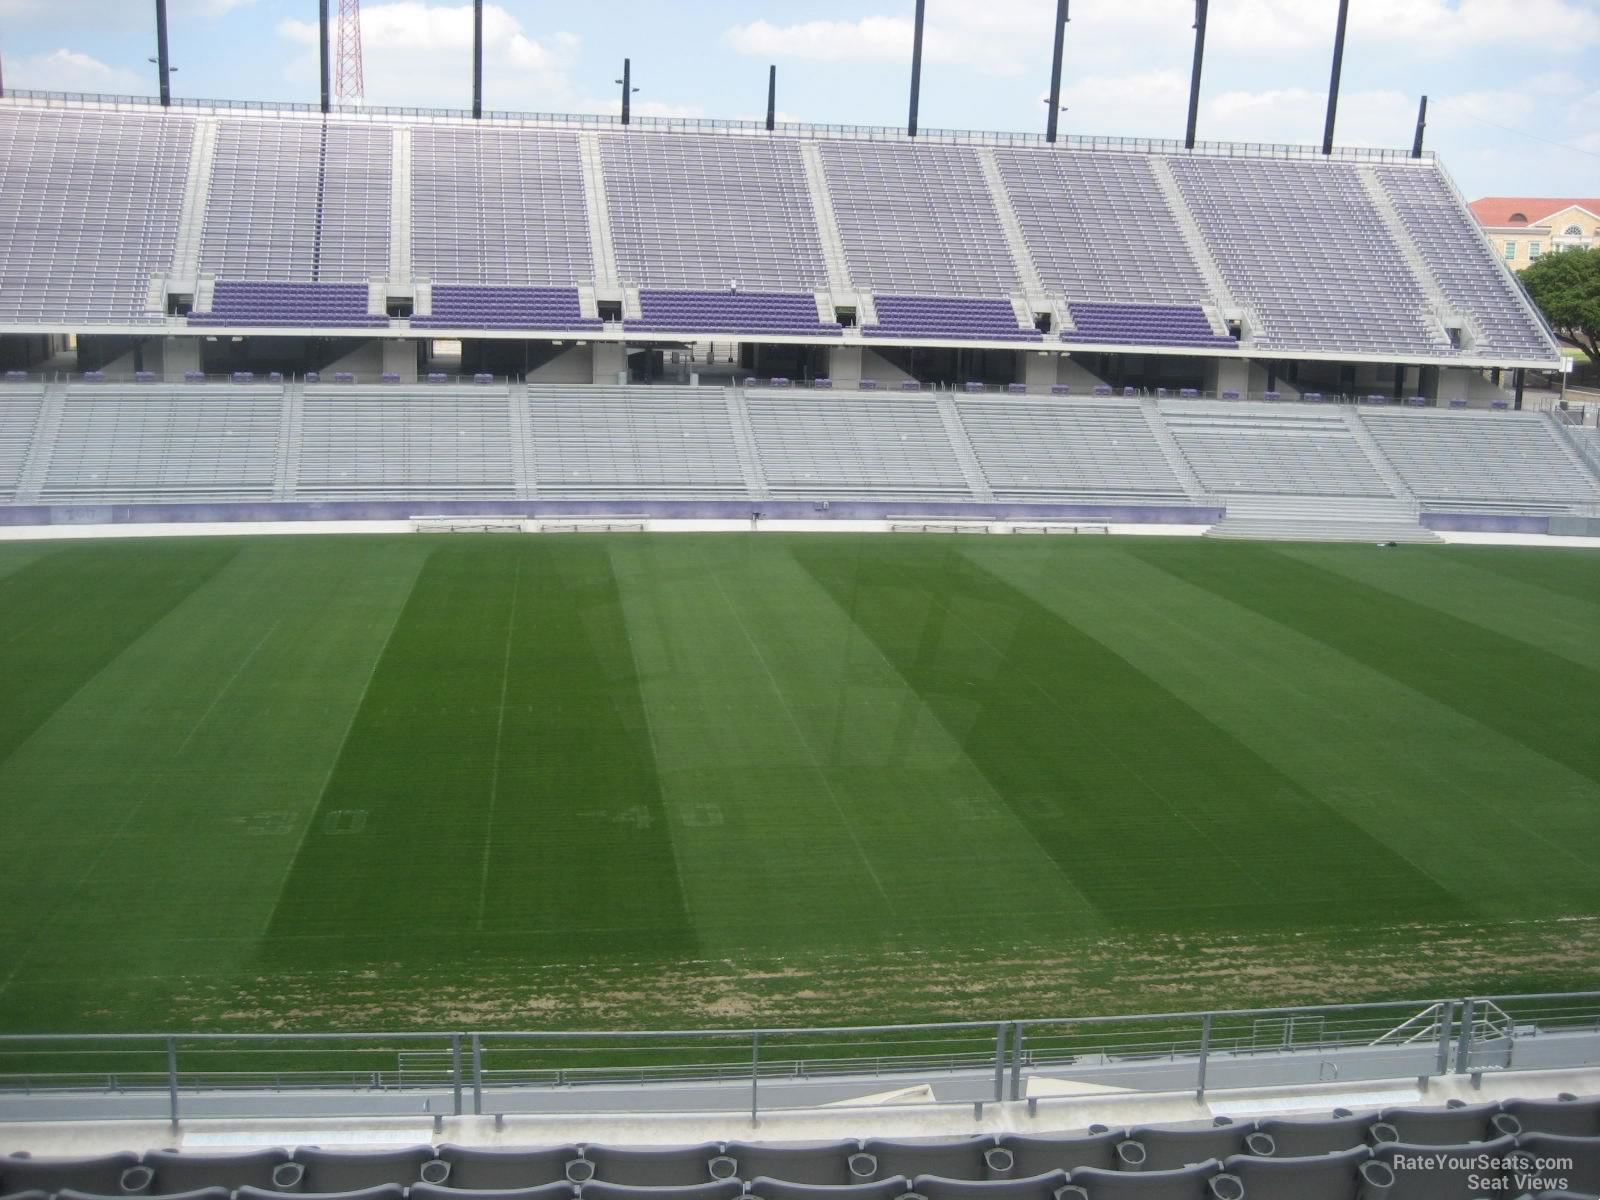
162	59
1200	7
627	87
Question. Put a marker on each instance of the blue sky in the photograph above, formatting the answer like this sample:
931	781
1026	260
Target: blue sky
1514	85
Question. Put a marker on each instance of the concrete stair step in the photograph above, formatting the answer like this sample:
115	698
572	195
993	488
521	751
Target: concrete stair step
1289	530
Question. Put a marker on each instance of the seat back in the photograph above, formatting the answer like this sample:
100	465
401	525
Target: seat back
894	1188
818	1163
1036	1155
1186	1183
1454	1125
486	1168
1153	1148
101	1175
185	1171
653	1166
1342	1175
1578	1159
1048	1186
1294	1138
959	1159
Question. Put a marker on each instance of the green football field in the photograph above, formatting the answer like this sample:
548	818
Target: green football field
612	781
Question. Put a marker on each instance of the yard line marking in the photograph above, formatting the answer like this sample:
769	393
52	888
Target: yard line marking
232	679
333	763
816	765
499	729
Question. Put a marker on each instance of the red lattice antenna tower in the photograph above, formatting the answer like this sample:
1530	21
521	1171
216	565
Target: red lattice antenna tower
348	84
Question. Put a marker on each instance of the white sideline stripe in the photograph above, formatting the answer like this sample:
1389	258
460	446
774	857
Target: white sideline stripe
1324	1102
421	1135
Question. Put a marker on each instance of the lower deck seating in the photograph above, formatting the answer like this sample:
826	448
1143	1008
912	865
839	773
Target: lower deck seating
633	442
19	414
854	445
439	443
1068	450
1277	453
164	444
1503	461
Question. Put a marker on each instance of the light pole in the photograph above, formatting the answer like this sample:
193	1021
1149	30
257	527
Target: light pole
627	87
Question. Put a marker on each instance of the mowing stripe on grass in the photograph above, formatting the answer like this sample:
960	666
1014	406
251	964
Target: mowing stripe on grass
1568	572
581	863
65	616
1157	814
495	768
1539	699
1419	776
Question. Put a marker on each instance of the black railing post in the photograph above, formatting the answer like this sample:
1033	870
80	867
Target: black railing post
455	1070
172	1080
477	1075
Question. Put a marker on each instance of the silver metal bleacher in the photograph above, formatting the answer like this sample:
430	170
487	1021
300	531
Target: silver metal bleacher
361	442
164	444
1465	461
633	442
846	444
1069	450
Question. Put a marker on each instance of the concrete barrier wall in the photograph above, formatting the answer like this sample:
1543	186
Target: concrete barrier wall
790	510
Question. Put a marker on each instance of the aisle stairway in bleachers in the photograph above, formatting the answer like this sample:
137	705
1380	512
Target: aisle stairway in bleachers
19	415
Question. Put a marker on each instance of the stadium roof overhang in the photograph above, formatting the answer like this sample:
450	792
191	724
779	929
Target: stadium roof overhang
402	331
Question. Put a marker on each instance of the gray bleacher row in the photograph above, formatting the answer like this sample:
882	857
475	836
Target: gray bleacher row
90	202
1342	1156
331	442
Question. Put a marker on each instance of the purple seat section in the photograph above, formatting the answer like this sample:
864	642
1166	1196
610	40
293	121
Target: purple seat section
236	302
1144	325
788	313
457	307
948	317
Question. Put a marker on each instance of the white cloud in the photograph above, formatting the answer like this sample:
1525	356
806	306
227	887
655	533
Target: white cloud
69	71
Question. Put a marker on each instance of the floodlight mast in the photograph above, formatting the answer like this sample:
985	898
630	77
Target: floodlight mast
772	96
1333	82
322	21
1200	7
1422	123
163	67
1055	71
477	59
627	88
916	69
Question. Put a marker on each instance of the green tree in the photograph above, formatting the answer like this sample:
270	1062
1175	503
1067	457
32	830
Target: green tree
1566	285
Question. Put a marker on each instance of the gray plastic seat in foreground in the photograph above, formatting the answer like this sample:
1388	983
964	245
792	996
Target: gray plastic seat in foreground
1049	1186
962	1158
724	1189
438	1191
1338	1176
652	1166
1158	1148
892	1188
1443	1172
1293	1138
185	1171
386	1191
102	1175
1550	1153
33	1194
1186	1183
208	1193
822	1163
1567	1115
354	1170
1036	1155
488	1167
1456	1124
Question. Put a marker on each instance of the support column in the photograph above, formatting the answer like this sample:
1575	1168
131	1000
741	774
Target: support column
178	355
844	366
1038	369
400	358
1228	375
610	363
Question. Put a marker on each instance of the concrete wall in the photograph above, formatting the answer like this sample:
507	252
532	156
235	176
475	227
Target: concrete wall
391	510
575	364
